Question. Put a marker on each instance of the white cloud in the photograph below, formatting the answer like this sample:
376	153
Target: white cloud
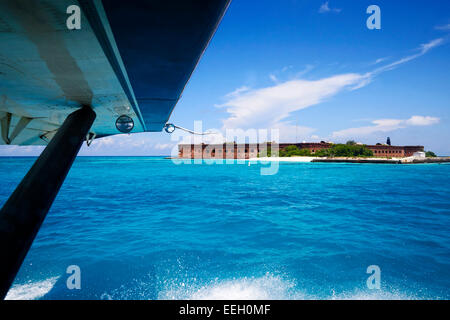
268	107
14	150
163	146
422	121
215	136
120	140
106	141
143	143
324	8
282	131
291	132
385	125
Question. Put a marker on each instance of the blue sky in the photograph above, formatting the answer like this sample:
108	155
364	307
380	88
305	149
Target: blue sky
314	70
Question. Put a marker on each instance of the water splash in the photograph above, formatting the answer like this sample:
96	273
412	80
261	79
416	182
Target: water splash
31	290
269	287
373	295
263	288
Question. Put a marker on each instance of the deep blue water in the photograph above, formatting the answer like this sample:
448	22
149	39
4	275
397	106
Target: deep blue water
145	228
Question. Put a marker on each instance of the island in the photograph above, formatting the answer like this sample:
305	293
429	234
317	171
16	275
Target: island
323	151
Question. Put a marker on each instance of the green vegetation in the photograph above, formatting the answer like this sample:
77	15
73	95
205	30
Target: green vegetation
269	152
350	149
290	151
430	154
345	150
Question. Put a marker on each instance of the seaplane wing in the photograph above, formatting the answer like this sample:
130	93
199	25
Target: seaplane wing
130	58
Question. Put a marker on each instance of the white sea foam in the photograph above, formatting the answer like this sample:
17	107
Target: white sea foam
373	295
268	287
31	290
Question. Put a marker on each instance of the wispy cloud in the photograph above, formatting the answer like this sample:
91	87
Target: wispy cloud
271	106
423	49
444	27
288	72
325	7
238	91
379	60
385	125
273	77
307	69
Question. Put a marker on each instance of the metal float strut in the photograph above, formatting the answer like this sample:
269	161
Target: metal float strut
23	213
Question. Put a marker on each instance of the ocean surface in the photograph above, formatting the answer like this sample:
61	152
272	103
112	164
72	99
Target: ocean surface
146	228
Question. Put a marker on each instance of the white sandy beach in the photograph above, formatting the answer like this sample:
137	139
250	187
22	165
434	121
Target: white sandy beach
284	159
310	159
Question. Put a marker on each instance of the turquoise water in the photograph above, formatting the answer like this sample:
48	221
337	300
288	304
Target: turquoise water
145	228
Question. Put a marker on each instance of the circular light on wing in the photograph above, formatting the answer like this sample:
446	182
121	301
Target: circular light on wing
124	124
169	128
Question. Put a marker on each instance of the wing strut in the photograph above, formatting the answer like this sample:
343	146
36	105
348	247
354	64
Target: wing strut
23	213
